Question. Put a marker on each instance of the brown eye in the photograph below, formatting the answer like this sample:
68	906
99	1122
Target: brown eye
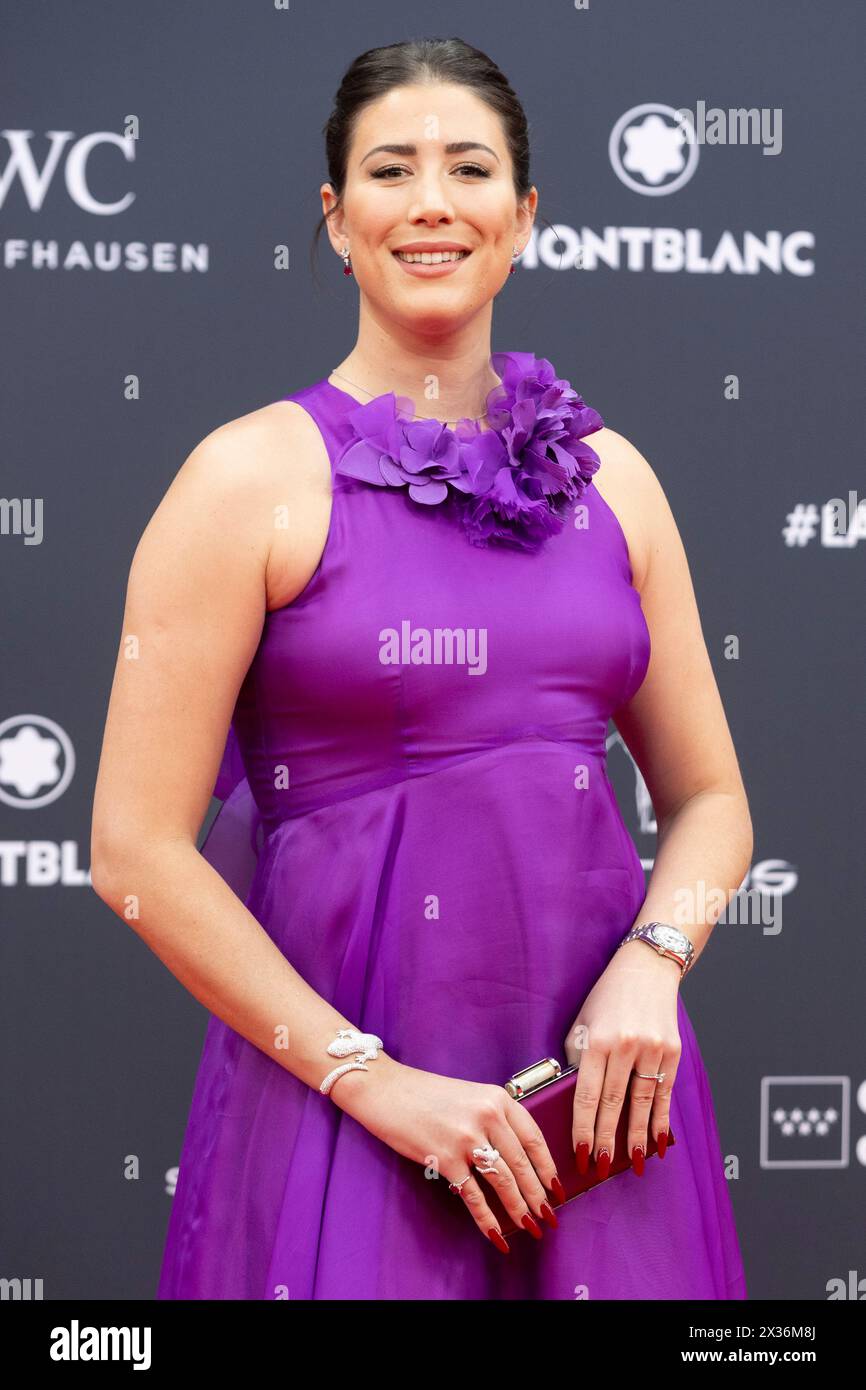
475	170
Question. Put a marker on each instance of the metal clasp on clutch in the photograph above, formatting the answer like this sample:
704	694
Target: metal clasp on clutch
530	1079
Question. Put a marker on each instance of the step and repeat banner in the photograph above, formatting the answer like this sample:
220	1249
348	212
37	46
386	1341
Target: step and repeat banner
696	272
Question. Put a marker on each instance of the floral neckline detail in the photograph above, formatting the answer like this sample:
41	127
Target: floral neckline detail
513	481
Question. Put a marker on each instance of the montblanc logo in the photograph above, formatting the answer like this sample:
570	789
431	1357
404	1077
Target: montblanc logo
37	764
37	761
654	148
669	250
649	150
654	151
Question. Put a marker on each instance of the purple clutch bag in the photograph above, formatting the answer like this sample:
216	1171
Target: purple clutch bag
547	1092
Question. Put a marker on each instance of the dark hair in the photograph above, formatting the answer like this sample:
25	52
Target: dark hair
377	71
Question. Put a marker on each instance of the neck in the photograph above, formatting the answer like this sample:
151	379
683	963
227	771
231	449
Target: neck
447	375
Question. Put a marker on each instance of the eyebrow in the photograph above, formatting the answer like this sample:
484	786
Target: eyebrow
456	147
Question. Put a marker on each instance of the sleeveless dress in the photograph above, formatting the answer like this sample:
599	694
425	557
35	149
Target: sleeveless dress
416	808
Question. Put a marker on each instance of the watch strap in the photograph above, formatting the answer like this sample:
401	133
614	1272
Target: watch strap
684	959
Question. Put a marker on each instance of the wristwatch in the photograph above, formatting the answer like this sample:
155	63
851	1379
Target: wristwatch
667	940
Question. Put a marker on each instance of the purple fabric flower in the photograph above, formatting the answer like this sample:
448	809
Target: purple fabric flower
514	478
392	451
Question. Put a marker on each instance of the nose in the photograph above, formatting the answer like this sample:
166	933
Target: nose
430	203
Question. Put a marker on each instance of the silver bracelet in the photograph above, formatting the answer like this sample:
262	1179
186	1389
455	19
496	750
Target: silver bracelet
347	1041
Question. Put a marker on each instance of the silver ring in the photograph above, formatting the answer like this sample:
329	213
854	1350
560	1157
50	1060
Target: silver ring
456	1186
488	1155
651	1075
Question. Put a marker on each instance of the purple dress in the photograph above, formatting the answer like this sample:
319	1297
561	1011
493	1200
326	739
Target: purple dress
417	810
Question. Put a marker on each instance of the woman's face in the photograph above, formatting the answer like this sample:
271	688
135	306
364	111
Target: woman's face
429	194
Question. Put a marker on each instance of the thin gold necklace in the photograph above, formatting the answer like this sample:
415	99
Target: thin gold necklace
476	419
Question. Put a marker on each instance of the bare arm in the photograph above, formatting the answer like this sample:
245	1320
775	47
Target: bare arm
676	729
195	606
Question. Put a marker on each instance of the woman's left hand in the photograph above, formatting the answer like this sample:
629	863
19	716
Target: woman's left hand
628	1022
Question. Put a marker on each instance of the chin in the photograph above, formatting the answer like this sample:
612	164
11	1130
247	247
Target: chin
428	318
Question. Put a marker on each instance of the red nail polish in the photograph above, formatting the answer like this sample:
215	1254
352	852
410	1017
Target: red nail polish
548	1214
602	1164
531	1225
637	1158
662	1142
557	1188
581	1153
499	1241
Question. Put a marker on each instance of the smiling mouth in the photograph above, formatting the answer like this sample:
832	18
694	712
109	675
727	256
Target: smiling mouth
431	257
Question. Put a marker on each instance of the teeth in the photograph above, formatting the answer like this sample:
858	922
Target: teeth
431	257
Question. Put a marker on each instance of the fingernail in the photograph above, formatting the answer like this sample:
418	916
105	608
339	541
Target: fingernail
557	1188
662	1142
499	1241
582	1156
637	1158
602	1164
548	1214
531	1225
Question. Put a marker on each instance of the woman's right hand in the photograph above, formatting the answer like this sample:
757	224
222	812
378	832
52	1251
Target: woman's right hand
438	1120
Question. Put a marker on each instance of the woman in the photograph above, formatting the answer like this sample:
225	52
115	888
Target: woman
410	604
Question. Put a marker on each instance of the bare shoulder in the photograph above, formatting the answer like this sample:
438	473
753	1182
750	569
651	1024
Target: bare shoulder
631	489
269	471
277	443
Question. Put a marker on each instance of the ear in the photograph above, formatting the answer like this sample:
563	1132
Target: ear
526	217
336	225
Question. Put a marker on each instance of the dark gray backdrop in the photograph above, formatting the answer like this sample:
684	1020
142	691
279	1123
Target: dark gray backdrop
100	1043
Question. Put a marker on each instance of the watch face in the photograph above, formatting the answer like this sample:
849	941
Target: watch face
670	937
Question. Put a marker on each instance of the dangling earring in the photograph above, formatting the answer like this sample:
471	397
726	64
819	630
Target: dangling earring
347	267
513	267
